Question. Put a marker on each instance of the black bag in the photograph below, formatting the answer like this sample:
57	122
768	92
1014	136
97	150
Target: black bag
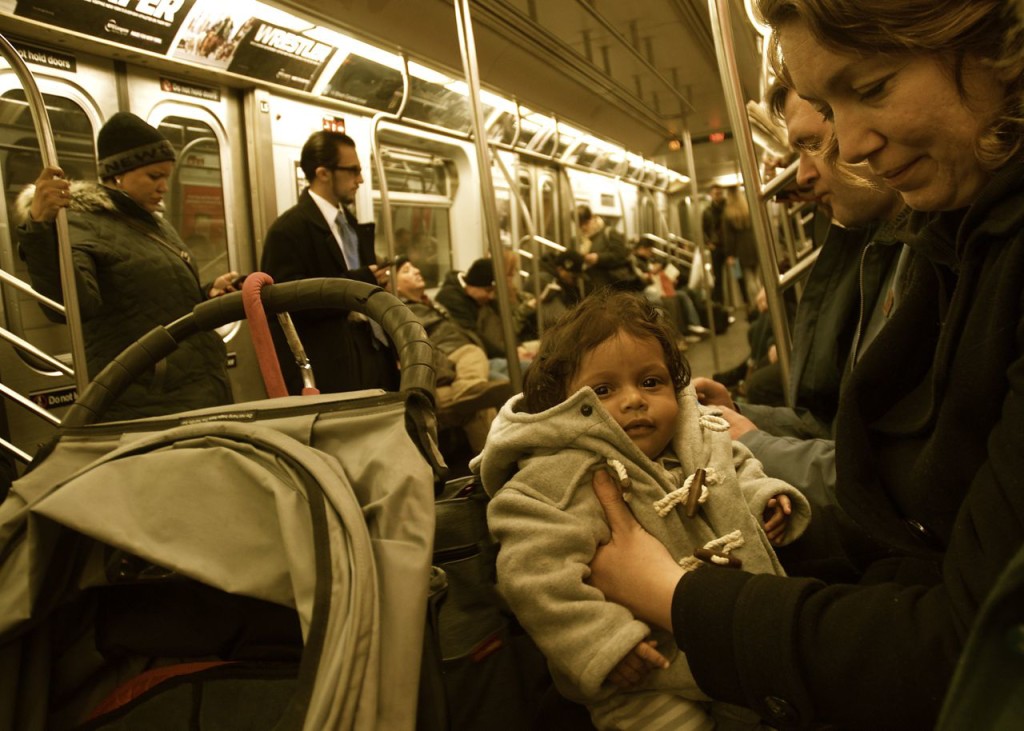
492	674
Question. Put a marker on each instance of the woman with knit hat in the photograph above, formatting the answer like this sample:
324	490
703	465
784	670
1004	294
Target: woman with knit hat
133	271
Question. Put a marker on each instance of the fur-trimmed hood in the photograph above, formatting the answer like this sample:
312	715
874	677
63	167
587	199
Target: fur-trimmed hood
86	197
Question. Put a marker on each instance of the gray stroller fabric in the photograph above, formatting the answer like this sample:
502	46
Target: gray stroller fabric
322	504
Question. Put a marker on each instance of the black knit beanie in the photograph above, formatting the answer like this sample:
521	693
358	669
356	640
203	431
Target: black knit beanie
125	142
480	274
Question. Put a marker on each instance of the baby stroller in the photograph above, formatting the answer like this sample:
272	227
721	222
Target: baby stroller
262	565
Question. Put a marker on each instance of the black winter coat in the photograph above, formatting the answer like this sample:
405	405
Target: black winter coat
930	468
343	354
133	273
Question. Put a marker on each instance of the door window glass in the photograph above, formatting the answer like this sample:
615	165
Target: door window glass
195	201
422	234
20	163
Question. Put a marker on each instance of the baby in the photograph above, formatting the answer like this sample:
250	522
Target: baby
609	390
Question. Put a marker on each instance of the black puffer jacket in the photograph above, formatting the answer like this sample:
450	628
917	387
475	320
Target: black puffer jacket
930	465
133	273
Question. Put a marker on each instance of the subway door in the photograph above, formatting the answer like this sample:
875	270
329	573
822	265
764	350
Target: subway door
206	200
78	98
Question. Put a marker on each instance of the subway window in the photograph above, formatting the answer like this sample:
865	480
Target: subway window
195	202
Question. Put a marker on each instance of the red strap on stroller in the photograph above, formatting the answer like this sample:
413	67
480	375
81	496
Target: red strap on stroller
259	331
263	343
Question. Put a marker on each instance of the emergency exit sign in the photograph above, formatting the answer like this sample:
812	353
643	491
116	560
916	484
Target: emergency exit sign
334	124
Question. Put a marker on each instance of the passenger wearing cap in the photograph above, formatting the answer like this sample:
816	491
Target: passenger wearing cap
466	396
468	297
133	272
561	279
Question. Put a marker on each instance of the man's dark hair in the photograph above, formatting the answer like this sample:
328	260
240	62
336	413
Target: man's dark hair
321	150
596	319
775	100
583	215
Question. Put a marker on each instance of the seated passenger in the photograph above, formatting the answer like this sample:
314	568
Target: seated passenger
561	279
609	388
662	291
605	254
857	268
929	427
468	296
465	397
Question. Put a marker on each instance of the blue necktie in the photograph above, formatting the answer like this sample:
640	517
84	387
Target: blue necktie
350	248
349	241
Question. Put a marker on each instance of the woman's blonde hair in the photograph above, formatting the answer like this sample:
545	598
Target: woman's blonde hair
951	31
736	210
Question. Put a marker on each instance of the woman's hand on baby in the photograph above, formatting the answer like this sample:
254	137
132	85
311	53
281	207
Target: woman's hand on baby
634	668
712	393
633	568
776	516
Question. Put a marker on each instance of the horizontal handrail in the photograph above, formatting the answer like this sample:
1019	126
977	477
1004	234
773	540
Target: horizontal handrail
21	286
29	348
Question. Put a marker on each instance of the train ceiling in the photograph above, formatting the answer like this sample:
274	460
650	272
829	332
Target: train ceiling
636	72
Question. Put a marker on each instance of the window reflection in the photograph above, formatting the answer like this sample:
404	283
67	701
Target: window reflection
195	203
422	235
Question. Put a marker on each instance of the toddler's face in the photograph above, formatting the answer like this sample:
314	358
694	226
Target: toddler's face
631	378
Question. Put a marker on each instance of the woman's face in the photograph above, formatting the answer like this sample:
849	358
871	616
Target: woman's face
147	185
903	115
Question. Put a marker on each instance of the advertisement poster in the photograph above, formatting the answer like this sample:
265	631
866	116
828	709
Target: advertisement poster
251	46
146	24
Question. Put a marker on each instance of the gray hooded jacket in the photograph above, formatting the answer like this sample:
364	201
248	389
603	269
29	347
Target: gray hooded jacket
547	519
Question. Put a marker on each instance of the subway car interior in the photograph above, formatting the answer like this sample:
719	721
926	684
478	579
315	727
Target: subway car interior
310	535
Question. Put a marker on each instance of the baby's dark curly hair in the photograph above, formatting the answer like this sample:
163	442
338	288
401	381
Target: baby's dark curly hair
598	317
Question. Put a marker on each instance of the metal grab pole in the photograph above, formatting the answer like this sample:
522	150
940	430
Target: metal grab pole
48	151
382	182
721	26
513	187
697	226
467	46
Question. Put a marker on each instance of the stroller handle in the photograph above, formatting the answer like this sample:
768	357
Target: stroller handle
415	353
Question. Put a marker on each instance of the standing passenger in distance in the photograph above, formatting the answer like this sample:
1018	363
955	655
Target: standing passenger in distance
609	388
711	223
606	255
132	270
319	237
740	248
930	422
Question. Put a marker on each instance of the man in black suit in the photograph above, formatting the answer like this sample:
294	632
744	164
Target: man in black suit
319	237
